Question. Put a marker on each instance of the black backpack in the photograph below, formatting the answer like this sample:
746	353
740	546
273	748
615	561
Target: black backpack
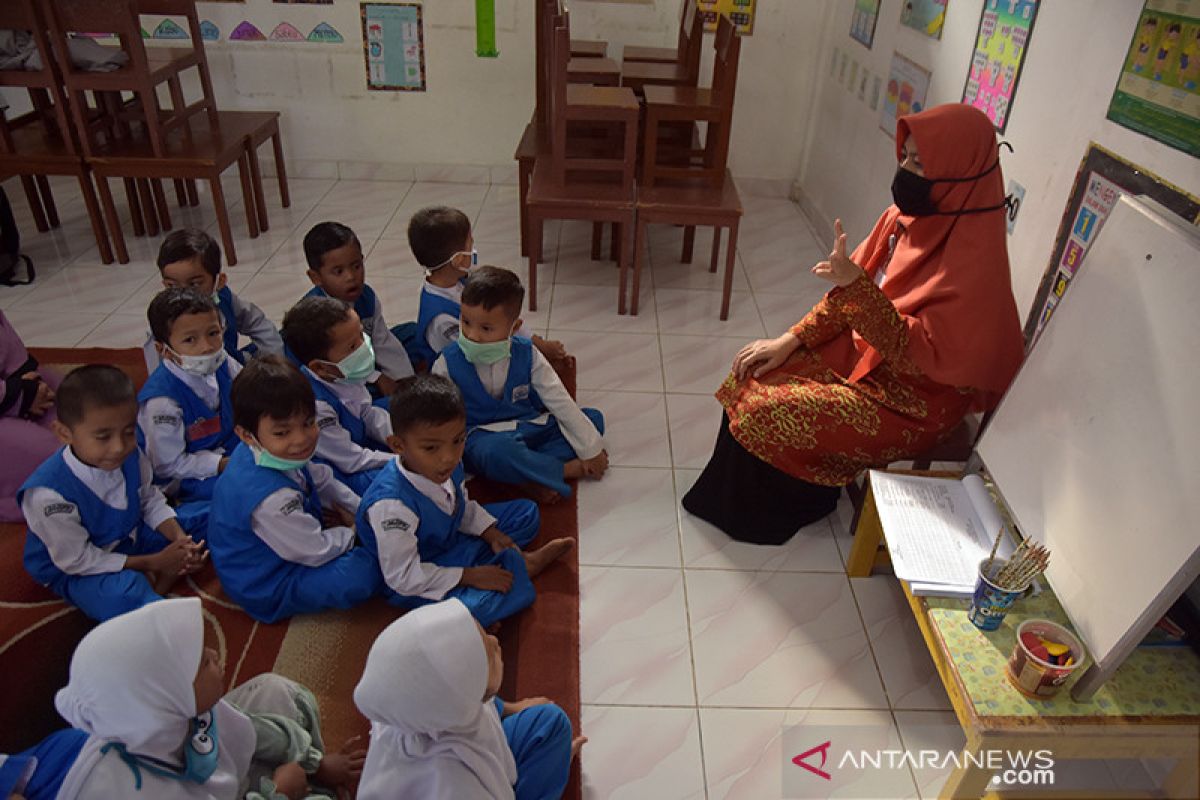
10	248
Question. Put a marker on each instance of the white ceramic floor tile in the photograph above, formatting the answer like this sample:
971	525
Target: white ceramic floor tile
466	197
698	311
668	272
628	519
87	290
780	640
626	361
780	311
636	426
633	637
42	328
367	194
498	223
118	330
745	756
392	258
400	297
639	753
812	549
930	730
576	266
693	422
367	222
904	662
594	308
275	292
698	364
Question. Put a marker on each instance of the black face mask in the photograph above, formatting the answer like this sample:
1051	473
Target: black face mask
911	192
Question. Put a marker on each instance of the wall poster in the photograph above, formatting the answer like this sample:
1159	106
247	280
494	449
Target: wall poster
394	46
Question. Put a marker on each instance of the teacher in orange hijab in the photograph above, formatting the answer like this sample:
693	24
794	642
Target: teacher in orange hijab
919	328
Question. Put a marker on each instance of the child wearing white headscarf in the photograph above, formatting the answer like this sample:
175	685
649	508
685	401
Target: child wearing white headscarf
438	731
148	693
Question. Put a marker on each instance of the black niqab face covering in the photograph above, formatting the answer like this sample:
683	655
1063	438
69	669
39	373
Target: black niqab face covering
911	192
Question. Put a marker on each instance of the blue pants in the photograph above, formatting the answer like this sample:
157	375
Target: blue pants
540	740
520	520
358	482
111	594
192	516
530	453
54	756
346	581
197	488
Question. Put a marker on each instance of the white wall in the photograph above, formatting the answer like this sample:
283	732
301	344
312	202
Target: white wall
1074	58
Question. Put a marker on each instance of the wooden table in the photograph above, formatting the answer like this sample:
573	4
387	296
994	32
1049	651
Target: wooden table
1149	709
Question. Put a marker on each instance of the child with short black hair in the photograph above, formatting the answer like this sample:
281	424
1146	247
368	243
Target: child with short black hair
185	415
190	258
441	241
327	338
272	551
525	428
432	540
337	269
101	534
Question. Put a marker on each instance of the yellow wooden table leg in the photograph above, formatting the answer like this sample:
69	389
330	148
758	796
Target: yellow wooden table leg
867	538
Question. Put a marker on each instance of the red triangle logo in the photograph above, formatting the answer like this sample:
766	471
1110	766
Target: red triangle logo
824	751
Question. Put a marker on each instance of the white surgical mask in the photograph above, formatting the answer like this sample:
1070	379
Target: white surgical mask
474	254
201	366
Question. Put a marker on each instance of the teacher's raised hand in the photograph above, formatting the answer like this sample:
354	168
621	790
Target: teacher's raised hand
839	269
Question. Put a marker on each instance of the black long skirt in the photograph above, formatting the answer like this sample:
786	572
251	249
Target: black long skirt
751	500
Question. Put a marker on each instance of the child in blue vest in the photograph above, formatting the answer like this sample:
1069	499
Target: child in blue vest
524	428
189	258
432	540
185	417
101	534
326	336
441	241
281	529
337	269
38	773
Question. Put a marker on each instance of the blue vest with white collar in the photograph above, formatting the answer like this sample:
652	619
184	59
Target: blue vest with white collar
437	531
353	424
229	320
198	418
364	306
519	401
433	305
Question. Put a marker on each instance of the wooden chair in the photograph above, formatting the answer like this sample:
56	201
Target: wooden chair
697	188
684	72
589	48
587	186
663	55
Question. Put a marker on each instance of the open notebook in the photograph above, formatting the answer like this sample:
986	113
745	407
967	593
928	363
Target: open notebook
937	530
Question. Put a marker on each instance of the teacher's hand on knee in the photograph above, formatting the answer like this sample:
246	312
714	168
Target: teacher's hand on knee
760	357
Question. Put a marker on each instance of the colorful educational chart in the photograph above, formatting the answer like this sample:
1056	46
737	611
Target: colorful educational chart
862	22
1000	45
740	13
394	46
1158	93
926	16
1102	178
907	85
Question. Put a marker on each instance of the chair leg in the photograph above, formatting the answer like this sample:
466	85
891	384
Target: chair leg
180	193
248	195
143	187
135	208
730	260
281	170
689	243
223	219
51	210
192	194
639	245
523	178
535	255
597	236
114	220
260	199
716	249
35	203
160	203
614	245
94	216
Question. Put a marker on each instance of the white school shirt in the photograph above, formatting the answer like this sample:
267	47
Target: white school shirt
251	322
281	521
443	329
161	421
335	444
395	526
579	431
390	356
62	530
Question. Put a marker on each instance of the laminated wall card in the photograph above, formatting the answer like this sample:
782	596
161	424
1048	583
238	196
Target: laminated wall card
1000	45
394	46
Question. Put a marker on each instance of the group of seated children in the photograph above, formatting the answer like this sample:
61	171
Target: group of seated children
316	470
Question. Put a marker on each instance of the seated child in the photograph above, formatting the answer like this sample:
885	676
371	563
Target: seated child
37	773
185	417
442	243
337	269
101	534
189	258
26	418
151	699
326	336
523	426
274	556
431	539
438	729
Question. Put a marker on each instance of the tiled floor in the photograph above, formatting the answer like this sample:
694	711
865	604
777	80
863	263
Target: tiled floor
696	650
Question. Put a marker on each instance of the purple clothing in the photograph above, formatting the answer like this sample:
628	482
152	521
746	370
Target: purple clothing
25	443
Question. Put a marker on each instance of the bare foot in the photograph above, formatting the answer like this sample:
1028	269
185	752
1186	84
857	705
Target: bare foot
541	494
546	555
576	745
573	469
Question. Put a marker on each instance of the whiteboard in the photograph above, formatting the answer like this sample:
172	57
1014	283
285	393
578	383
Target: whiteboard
1096	446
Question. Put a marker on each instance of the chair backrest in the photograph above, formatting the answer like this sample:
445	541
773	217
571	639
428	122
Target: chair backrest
691	41
728	46
45	84
687	10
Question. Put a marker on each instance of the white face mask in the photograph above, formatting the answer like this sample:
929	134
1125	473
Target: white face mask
474	254
201	366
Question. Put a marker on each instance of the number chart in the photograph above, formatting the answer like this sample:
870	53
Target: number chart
740	13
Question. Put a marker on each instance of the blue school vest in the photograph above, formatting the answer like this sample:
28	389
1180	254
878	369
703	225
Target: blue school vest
54	755
432	306
364	306
225	306
437	531
520	400
251	573
355	425
103	523
203	428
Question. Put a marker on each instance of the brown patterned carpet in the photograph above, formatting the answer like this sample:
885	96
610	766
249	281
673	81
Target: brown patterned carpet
325	652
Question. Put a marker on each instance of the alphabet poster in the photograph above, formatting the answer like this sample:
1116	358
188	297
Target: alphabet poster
394	46
1000	45
1158	93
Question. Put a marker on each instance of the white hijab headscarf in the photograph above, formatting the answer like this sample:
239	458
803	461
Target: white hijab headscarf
131	683
433	736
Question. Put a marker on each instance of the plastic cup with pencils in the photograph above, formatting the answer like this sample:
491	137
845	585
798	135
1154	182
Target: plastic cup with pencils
1002	581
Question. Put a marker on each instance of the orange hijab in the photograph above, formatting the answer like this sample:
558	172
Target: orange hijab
949	275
